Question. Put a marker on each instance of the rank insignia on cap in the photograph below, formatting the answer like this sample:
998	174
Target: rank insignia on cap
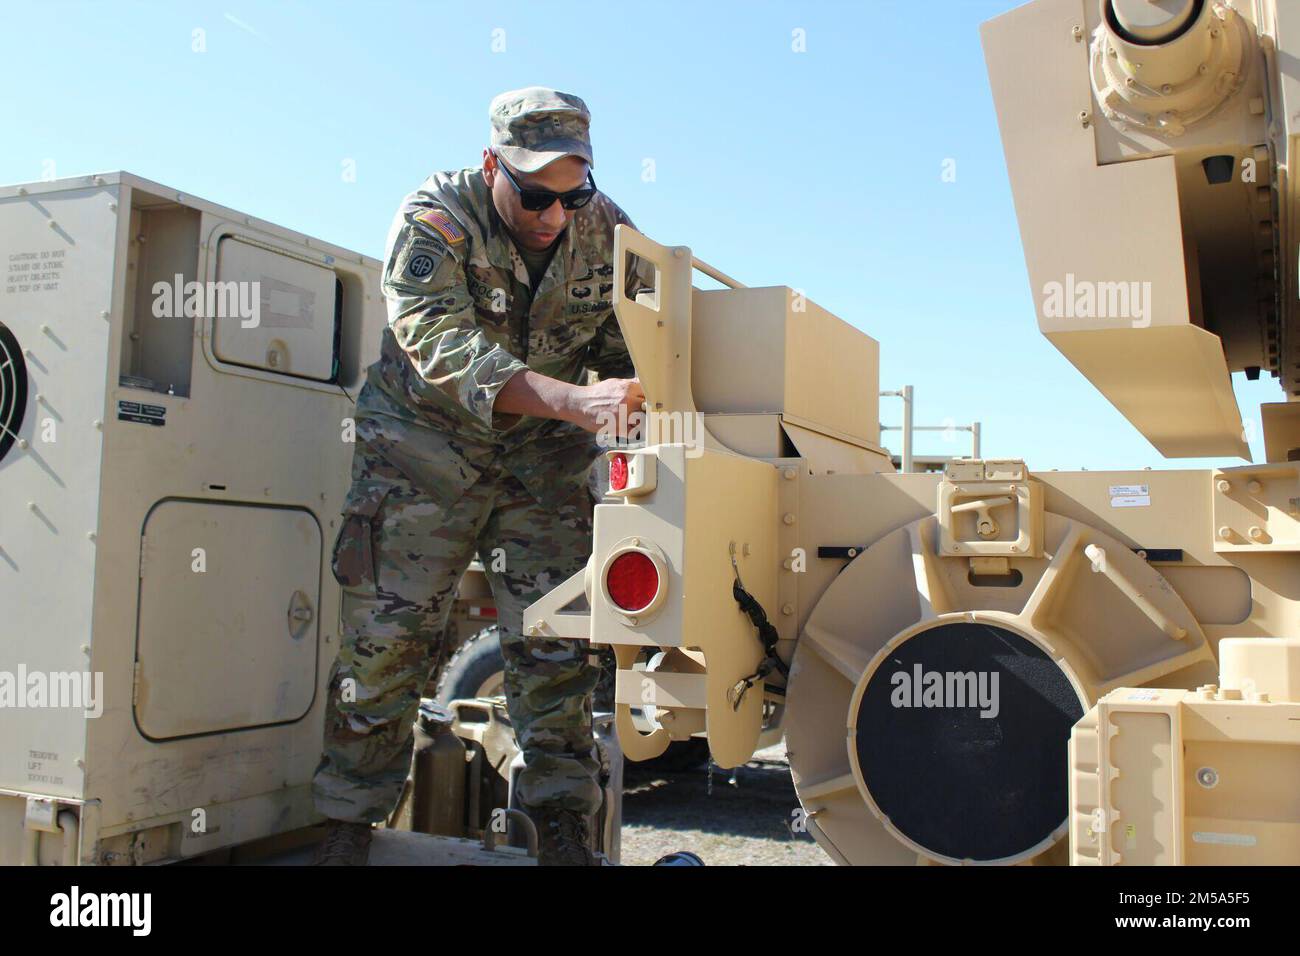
443	224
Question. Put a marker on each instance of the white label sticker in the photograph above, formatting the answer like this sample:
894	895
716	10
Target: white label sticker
1230	839
1123	491
1131	501
1144	695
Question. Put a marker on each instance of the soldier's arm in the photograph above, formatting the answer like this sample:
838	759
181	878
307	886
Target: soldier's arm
431	313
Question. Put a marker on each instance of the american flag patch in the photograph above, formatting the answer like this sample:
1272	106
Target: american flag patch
441	222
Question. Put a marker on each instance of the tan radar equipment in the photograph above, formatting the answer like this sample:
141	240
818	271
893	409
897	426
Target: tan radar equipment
1149	147
926	642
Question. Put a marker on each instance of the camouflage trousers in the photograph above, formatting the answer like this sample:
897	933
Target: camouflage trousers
399	557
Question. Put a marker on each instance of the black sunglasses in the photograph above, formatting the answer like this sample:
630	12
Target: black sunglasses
535	200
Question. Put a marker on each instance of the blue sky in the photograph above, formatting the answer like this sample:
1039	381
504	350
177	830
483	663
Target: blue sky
819	169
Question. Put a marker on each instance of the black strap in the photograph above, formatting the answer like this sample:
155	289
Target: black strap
767	636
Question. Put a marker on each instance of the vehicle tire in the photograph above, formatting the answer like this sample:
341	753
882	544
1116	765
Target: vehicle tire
475	670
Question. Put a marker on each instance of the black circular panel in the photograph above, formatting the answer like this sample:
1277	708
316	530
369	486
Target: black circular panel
957	783
13	389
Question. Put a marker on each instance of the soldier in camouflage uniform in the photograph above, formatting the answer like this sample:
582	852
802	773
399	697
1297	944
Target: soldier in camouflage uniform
474	434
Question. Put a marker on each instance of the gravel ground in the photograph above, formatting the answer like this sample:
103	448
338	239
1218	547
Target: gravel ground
744	821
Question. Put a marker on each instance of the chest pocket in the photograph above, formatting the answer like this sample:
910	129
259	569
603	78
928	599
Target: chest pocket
564	319
495	305
590	294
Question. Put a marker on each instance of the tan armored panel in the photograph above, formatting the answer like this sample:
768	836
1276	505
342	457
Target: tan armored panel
1147	147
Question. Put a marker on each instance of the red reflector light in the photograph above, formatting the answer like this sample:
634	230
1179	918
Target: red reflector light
617	472
632	581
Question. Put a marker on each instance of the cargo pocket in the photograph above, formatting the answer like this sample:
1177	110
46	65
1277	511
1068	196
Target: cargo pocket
353	561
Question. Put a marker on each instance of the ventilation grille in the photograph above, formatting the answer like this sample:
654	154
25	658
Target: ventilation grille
13	389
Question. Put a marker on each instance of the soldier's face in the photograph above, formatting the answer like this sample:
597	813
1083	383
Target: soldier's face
534	230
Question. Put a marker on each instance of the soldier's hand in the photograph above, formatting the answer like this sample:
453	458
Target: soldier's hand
612	406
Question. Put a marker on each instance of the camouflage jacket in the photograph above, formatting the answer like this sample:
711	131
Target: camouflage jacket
462	319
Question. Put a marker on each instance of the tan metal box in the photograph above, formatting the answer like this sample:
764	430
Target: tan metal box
773	350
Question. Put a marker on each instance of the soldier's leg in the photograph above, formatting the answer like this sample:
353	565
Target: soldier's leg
548	682
398	557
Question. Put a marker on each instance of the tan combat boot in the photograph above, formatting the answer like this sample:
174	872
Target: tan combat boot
563	837
345	844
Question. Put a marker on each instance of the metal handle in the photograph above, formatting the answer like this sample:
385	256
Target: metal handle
529	828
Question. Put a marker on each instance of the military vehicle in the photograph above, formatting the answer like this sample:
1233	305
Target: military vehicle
997	665
991	665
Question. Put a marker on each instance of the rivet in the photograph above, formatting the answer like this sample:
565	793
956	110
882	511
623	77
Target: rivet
1225	533
1256	532
1224	486
1254	487
787	608
788	518
788	474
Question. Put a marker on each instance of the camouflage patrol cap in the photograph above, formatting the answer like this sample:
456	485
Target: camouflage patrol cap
535	126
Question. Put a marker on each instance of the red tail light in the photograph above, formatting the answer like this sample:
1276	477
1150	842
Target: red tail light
617	472
632	581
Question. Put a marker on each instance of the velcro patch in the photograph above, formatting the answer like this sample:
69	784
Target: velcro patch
418	260
438	220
